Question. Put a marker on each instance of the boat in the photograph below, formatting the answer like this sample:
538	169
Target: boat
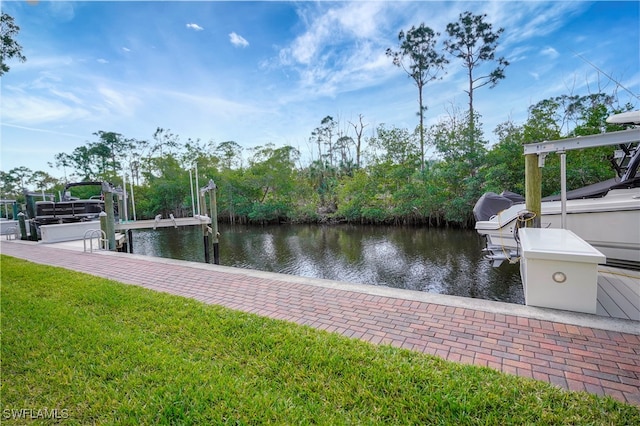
69	209
606	215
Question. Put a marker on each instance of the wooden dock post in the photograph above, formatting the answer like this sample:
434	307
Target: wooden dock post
533	187
104	227
121	208
130	240
205	238
214	221
23	226
33	230
211	244
109	226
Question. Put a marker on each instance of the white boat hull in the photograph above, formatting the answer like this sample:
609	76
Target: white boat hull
611	224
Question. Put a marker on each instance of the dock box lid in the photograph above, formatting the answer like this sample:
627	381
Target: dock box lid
557	244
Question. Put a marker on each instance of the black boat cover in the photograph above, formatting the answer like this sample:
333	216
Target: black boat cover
489	205
596	190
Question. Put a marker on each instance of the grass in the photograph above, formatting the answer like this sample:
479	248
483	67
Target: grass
100	352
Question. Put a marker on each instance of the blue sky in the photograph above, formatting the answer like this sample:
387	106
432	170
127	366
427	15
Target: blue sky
268	72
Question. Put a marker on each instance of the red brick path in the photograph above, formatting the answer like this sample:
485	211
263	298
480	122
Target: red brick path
572	357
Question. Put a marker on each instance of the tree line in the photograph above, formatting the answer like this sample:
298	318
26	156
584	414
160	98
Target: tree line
373	179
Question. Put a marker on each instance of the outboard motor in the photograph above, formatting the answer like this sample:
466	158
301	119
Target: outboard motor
489	205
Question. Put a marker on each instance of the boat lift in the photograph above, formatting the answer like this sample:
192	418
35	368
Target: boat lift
557	267
624	138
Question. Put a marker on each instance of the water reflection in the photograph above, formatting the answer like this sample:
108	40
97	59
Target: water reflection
436	261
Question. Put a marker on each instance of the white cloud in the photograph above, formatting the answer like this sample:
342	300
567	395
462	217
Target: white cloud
35	129
118	103
305	47
126	49
238	40
102	61
35	110
195	27
341	49
62	10
550	52
519	53
66	95
530	20
362	19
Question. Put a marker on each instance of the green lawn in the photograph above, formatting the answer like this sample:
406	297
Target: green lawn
106	353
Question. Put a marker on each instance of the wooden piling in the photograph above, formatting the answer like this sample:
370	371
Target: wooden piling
110	220
533	188
23	226
130	240
213	206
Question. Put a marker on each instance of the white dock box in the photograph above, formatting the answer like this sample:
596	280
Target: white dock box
66	231
559	270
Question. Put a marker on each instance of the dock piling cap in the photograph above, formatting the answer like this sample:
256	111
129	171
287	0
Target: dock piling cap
210	186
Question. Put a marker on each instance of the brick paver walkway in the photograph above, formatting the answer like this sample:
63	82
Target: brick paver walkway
572	357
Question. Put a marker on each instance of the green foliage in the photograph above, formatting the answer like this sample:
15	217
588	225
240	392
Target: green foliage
306	212
393	147
168	192
418	57
544	123
504	164
457	141
389	184
584	167
269	211
101	351
353	194
461	146
374	214
230	154
101	160
474	41
9	46
234	200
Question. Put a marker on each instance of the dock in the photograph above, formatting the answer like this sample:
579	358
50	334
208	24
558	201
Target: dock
618	293
577	352
162	223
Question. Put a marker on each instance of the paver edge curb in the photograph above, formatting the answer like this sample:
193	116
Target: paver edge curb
495	307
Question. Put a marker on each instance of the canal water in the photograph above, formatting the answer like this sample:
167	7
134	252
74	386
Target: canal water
445	261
